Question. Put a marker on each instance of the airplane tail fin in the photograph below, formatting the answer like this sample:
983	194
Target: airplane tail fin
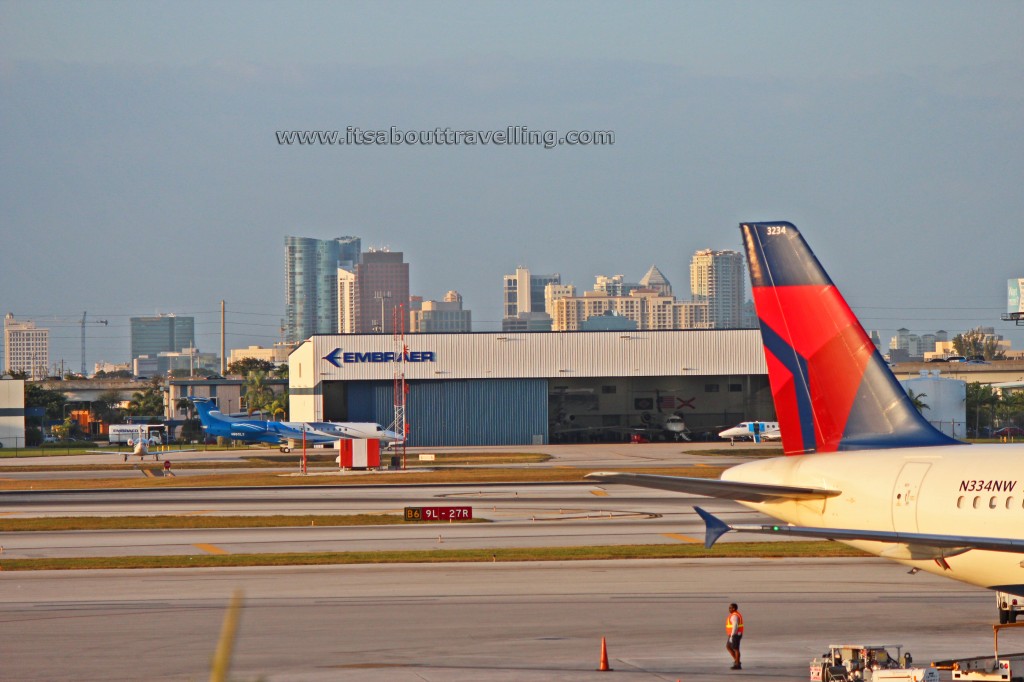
204	408
832	389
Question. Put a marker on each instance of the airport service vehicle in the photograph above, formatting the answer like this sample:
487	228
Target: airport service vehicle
861	465
1009	606
874	662
1002	667
123	433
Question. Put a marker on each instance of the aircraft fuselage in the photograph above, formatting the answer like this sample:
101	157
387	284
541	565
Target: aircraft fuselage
971	490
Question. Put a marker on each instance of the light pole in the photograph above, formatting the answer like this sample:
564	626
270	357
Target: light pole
382	296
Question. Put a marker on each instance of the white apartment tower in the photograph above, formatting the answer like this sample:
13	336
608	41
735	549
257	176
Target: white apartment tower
348	302
716	278
524	304
26	348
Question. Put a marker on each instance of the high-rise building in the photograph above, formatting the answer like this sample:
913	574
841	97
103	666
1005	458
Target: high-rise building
348	302
553	292
162	334
311	283
445	316
716	278
654	279
615	285
382	284
26	348
524	293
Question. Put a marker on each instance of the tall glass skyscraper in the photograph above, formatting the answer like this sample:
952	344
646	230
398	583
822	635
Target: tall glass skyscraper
162	334
311	283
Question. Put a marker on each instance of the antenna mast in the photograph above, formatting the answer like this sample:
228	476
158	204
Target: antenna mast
400	426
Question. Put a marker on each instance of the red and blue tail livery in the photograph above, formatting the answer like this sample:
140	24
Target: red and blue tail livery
832	389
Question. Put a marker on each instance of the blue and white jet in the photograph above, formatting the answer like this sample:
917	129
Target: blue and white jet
285	435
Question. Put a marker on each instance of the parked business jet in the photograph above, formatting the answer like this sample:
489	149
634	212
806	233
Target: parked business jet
140	446
755	431
286	435
863	466
676	427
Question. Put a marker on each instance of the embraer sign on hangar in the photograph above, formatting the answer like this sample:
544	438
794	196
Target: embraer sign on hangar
338	357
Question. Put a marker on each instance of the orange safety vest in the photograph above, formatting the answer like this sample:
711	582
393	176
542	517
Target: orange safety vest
728	623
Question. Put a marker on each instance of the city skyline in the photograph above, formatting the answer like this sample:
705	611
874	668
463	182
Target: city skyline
142	170
699	260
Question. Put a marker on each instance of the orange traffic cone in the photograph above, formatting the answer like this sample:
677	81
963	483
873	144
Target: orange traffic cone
604	656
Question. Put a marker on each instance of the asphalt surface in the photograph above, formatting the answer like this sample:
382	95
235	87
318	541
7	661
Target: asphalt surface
662	620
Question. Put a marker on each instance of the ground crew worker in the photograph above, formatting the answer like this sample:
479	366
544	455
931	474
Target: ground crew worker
734	633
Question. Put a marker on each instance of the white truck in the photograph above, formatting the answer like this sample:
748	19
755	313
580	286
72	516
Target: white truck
122	433
1002	667
1009	606
874	662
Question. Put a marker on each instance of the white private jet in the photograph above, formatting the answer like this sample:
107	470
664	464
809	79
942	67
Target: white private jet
755	431
863	466
676	426
140	448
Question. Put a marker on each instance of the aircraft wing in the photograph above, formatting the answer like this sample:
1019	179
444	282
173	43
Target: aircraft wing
716	528
121	452
713	487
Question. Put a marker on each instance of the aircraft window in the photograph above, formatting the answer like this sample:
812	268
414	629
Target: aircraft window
1009	502
960	502
977	500
992	502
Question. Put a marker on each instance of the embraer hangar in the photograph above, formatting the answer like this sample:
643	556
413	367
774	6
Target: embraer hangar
537	387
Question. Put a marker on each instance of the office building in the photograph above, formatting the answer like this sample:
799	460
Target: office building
381	286
311	286
162	334
278	354
435	317
524	293
716	278
26	348
654	279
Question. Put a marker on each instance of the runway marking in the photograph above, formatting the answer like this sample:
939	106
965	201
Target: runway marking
599	493
147	473
212	549
683	538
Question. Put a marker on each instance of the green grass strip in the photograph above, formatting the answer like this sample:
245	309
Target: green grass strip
731	550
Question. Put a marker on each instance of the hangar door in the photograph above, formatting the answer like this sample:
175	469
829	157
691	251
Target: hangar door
450	412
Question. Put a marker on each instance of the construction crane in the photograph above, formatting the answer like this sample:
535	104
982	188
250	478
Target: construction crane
103	322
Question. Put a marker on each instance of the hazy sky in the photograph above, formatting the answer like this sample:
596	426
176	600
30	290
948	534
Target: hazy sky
140	172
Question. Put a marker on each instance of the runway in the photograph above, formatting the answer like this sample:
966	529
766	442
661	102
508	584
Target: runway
514	515
662	620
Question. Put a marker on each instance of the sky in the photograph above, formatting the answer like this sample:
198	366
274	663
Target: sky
140	170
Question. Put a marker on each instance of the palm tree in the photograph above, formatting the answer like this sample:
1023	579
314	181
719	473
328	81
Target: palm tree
149	402
257	393
278	406
916	399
